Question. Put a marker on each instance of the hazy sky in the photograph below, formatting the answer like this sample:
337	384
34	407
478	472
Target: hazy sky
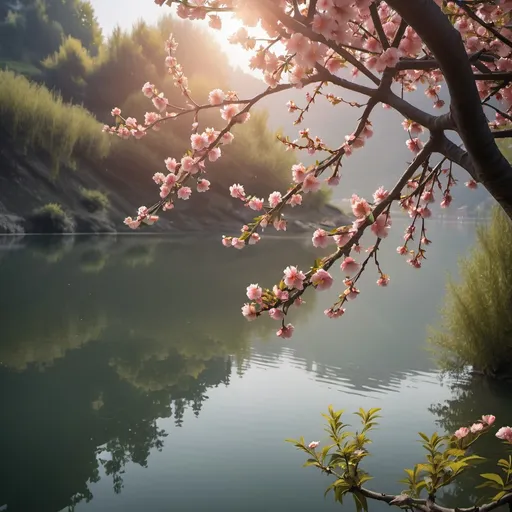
126	12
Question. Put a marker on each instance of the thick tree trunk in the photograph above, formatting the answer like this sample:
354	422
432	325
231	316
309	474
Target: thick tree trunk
488	164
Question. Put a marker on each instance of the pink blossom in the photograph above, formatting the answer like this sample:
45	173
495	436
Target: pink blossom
158	178
198	141
171	179
215	22
203	185
293	278
472	184
276	314
237	243
286	331
447	199
254	292
414	145
334	313
254	239
255	203
152	118
360	207
295	200
333	181
489	419
401	250
280	224
310	184
274	199
353	293
237	191
282	295
227	138
171	164
164	191
226	241
461	433
188	164
168	205
388	58
380	227
116	112
476	427
320	238
216	97
184	193
383	280
148	90
214	154
505	433
350	266
249	311
132	223
229	111
313	445
379	195
298	173
160	102
321	279
150	219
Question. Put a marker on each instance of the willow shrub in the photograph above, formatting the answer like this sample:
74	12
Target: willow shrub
476	329
38	119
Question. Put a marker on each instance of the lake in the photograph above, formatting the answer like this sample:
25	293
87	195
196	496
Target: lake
129	380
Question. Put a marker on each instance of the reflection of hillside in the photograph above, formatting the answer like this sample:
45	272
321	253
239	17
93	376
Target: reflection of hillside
471	399
91	359
190	289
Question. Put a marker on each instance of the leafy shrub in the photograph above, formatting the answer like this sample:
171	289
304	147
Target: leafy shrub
50	218
477	318
94	200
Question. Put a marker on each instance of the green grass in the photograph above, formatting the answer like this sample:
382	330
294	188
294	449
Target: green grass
39	120
476	329
50	218
94	200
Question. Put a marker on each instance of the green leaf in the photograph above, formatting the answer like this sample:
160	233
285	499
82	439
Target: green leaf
364	478
494	478
455	452
424	437
499	496
360	501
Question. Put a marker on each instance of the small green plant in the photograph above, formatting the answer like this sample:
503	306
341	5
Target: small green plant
476	329
94	200
50	218
447	457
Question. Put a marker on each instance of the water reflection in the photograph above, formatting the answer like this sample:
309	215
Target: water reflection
103	337
471	398
95	349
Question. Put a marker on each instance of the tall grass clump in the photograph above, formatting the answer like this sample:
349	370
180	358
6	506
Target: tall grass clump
476	328
39	120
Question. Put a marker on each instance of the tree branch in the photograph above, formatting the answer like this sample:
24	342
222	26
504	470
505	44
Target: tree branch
502	134
437	32
458	156
378	26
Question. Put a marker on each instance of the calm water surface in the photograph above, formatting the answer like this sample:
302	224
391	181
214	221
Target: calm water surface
130	382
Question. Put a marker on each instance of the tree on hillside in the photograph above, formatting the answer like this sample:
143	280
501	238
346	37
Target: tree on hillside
390	48
30	30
